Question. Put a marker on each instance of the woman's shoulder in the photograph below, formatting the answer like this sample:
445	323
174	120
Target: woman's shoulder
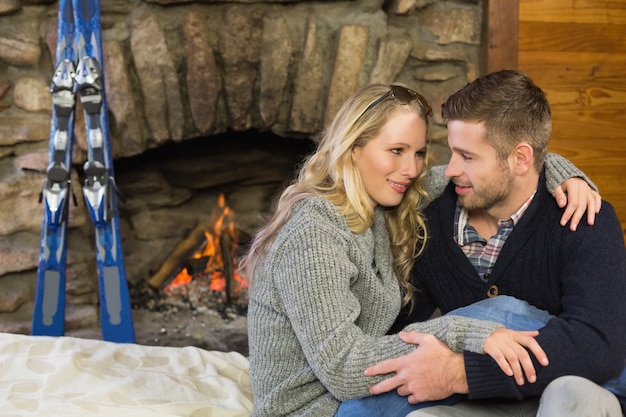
313	219
319	208
317	213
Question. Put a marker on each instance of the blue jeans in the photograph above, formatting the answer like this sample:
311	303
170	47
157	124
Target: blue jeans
514	314
388	404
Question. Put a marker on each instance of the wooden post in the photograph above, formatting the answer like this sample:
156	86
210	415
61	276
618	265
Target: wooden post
500	35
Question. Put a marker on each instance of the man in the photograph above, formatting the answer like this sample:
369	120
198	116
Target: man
495	231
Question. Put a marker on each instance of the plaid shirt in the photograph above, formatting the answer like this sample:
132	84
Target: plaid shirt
483	253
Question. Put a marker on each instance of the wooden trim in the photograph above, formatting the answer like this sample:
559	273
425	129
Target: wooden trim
500	41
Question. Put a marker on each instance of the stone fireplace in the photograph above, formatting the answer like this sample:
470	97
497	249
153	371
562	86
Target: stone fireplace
205	99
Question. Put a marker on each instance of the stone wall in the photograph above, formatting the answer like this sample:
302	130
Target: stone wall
177	70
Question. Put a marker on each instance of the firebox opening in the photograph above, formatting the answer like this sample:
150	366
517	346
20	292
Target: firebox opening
190	209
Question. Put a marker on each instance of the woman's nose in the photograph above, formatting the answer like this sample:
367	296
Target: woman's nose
412	168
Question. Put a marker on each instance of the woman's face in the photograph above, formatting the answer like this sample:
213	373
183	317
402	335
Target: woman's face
391	161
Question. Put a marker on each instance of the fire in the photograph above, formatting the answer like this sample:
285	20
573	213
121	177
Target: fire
220	235
218	282
183	278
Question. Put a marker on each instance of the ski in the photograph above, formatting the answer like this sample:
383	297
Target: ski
99	188
49	310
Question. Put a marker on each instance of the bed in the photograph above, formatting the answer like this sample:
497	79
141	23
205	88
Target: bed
67	376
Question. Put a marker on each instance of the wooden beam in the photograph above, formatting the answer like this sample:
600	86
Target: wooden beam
500	43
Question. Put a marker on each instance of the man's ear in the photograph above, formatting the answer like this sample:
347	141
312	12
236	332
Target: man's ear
524	158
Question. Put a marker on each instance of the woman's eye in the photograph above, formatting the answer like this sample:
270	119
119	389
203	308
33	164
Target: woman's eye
420	154
397	151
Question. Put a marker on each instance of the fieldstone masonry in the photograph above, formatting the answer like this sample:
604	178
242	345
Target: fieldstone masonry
183	70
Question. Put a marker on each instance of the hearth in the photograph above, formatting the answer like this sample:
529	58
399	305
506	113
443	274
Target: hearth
191	208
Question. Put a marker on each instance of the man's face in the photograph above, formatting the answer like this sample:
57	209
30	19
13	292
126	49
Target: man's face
482	180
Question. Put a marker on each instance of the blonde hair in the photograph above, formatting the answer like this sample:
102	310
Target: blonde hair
330	172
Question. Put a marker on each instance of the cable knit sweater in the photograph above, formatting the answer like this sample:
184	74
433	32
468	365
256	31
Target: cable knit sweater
321	303
319	308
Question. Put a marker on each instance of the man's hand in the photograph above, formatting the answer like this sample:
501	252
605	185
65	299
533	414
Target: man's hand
579	198
431	372
506	347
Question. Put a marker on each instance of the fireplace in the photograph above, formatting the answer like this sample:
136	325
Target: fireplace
206	99
183	252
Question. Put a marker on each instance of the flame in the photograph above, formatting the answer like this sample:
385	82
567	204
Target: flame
222	222
183	278
218	282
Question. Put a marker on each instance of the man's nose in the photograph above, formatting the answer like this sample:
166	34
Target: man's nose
454	167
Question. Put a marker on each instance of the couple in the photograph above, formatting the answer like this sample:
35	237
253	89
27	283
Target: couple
346	254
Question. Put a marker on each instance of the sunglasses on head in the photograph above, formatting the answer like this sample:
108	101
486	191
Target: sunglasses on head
402	95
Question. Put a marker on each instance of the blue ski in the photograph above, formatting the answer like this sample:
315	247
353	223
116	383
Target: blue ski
49	311
99	188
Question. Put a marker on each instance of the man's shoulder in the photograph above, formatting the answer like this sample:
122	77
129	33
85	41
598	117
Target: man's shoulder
606	219
606	228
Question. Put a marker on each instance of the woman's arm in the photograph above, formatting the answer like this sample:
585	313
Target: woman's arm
413	373
436	181
560	169
458	332
572	188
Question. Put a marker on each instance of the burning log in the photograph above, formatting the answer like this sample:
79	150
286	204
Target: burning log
183	251
229	269
202	270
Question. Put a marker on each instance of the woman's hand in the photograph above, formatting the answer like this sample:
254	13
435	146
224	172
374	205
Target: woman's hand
507	348
579	197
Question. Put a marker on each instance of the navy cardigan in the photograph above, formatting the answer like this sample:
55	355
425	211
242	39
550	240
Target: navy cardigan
578	276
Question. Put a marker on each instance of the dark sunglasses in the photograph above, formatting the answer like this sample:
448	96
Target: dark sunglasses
402	95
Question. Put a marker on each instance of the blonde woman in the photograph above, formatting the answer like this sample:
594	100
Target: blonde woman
329	271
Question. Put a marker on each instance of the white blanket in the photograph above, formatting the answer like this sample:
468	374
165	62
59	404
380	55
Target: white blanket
66	376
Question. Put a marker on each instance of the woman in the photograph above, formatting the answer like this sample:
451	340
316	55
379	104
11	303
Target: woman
329	272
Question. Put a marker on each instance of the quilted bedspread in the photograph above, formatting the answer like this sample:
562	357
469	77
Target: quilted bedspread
66	376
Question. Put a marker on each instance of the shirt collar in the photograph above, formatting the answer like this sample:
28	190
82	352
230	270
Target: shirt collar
462	218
